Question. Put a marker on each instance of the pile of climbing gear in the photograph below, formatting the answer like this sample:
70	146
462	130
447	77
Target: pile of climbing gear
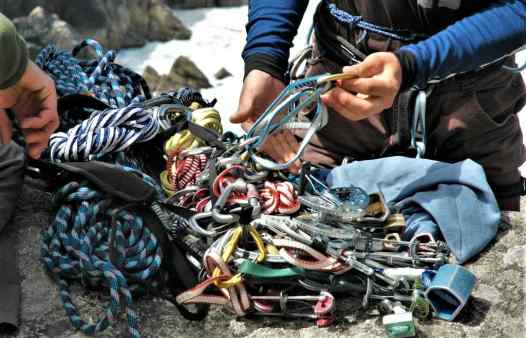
152	197
106	234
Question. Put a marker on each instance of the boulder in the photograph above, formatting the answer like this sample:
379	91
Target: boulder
114	23
164	25
132	23
184	73
151	77
223	73
206	3
41	28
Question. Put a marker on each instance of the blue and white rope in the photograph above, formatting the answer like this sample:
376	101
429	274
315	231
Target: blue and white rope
77	247
111	83
357	21
104	132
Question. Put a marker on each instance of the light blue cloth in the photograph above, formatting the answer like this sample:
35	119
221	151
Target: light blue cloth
455	197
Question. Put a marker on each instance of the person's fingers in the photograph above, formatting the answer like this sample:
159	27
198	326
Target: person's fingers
280	143
272	149
374	86
377	123
35	122
371	66
40	135
282	147
37	141
52	125
35	150
39	121
294	146
35	136
242	113
247	125
6	131
258	92
354	107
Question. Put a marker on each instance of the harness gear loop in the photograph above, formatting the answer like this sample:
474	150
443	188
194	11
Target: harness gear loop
418	130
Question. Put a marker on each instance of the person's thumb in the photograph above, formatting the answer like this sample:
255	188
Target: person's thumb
369	67
6	131
242	114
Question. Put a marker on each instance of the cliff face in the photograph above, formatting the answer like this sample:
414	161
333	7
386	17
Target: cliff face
205	3
115	23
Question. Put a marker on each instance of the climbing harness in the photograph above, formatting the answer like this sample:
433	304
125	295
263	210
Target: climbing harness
357	21
419	130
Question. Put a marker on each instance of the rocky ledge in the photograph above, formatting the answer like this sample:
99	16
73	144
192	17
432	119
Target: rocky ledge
114	23
495	310
184	73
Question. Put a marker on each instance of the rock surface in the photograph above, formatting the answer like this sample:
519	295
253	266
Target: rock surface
114	23
221	74
151	77
205	3
41	28
495	310
184	73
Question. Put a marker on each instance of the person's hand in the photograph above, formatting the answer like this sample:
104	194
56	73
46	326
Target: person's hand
378	80
6	130
258	92
34	101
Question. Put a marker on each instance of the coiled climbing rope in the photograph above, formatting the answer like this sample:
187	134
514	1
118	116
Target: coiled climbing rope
102	78
86	232
183	172
204	117
104	132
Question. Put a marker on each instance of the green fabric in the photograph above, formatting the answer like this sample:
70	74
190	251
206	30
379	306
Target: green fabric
13	54
254	270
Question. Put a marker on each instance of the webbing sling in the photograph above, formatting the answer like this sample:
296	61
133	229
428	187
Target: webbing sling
256	271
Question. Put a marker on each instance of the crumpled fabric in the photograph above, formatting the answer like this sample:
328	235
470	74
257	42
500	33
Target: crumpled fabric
451	199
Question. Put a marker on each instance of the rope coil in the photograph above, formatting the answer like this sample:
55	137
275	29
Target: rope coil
77	246
104	132
102	78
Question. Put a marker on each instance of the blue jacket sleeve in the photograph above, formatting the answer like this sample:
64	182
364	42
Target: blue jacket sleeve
272	25
468	44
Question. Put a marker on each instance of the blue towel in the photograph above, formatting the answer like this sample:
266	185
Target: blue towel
453	198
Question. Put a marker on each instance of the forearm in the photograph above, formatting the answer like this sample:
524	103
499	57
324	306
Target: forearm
271	27
14	54
466	45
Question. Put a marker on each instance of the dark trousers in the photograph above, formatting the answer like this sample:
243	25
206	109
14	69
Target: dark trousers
11	180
